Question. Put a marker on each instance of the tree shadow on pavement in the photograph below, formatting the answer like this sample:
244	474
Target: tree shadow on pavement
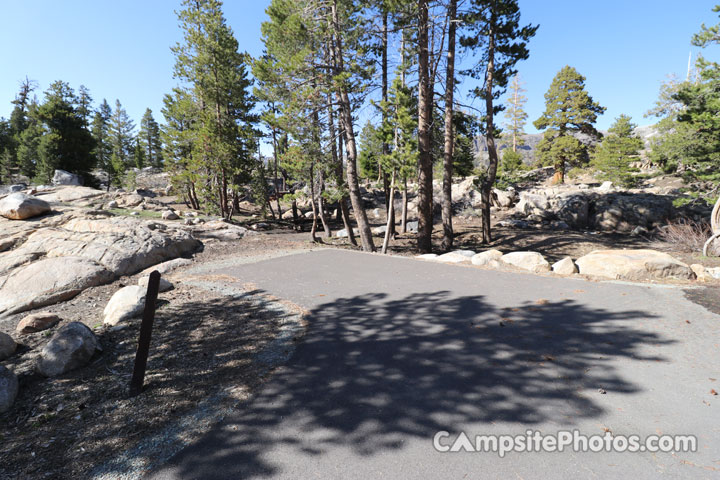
373	371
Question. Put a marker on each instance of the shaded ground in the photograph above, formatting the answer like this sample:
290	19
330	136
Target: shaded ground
204	359
403	349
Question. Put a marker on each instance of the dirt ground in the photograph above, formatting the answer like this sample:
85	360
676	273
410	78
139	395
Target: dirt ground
204	354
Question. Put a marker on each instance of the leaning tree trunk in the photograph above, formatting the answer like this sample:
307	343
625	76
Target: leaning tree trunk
321	208
447	242
346	120
425	187
715	226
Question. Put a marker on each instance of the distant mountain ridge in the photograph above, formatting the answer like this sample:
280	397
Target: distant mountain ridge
531	140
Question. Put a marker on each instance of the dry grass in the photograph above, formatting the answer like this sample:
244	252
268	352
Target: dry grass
684	235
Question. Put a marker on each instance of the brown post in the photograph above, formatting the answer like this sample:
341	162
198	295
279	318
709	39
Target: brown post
138	377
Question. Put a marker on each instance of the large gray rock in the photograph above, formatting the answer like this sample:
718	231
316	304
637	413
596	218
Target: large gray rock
574	210
169	215
19	206
48	281
62	177
530	261
71	347
8	389
633	265
126	303
7	346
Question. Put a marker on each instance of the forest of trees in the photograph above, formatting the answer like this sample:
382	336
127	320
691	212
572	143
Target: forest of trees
324	62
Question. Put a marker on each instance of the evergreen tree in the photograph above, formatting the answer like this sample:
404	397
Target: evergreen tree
466	129
493	29
121	138
139	157
101	133
149	138
511	161
370	150
28	141
618	149
515	113
215	74
65	142
568	109
84	104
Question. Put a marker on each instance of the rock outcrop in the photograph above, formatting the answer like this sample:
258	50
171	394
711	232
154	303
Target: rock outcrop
48	281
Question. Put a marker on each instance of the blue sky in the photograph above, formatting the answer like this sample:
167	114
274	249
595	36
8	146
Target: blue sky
122	49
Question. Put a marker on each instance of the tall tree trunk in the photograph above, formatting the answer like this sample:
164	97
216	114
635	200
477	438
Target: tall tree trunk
296	219
344	209
336	151
321	208
350	147
275	157
391	215
403	215
447	242
486	191
312	202
389	211
425	105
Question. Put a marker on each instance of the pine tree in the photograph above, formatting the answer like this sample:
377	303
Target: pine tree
121	138
493	29
618	149
515	113
370	148
65	143
84	104
569	108
215	76
149	139
101	133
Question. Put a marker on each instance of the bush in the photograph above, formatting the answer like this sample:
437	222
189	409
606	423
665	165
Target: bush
685	235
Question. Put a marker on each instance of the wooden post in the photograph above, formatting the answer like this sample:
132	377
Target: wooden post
138	376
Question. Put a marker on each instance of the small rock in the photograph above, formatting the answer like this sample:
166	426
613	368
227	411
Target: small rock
701	273
412	226
427	256
7	346
605	187
163	287
134	213
376	213
37	322
637	231
484	258
19	206
566	266
112	204
128	302
169	215
8	389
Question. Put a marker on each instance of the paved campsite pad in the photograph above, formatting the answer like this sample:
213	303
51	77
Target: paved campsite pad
398	349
